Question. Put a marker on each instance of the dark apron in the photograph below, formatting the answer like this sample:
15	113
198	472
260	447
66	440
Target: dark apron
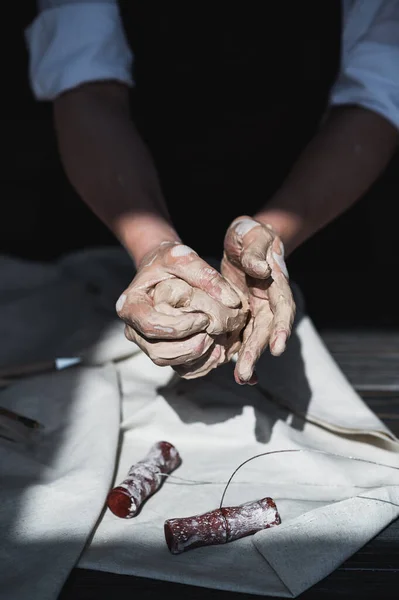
226	98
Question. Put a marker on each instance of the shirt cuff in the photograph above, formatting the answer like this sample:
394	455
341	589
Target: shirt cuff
370	79
74	44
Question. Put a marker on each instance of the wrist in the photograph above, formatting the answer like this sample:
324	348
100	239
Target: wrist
291	227
142	233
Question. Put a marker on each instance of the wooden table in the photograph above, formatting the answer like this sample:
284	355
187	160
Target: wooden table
370	360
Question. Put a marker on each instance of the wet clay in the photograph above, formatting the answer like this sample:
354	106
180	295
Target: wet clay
221	339
181	312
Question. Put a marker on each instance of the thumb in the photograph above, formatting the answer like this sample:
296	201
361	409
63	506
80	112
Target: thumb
254	255
247	243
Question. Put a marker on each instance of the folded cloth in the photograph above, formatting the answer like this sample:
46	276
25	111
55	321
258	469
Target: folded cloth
101	417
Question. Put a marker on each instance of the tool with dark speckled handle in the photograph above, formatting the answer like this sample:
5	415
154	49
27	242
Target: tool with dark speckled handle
143	480
220	526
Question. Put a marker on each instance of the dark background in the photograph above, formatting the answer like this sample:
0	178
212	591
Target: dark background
347	272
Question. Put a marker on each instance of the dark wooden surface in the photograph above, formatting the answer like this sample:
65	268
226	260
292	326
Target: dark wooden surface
370	360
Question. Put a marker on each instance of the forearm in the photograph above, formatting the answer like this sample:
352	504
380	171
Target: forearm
343	160
110	167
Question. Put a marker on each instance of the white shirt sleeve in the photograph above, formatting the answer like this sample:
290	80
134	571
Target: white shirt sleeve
73	42
369	73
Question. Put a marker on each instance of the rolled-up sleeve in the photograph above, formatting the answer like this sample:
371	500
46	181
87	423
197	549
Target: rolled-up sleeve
72	42
369	73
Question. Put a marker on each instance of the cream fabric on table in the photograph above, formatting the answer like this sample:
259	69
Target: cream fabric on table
101	417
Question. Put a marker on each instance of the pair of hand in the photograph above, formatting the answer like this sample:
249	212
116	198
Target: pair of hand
182	312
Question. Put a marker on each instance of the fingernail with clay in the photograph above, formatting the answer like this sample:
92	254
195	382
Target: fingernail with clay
278	346
121	301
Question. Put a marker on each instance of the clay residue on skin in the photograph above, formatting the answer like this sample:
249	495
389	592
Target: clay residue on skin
254	261
179	294
181	250
174	293
279	343
210	271
165	329
279	257
242	226
121	301
198	354
149	263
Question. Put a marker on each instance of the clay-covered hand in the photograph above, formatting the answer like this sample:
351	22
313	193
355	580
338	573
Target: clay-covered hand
167	308
200	353
253	262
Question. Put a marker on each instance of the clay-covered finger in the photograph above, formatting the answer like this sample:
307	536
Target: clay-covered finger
283	307
175	292
172	353
277	261
246	243
167	309
137	311
184	263
254	345
255	247
215	356
254	263
236	233
221	318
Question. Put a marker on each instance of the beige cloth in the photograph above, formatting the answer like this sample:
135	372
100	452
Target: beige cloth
53	488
